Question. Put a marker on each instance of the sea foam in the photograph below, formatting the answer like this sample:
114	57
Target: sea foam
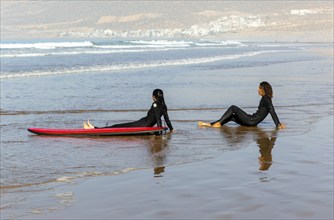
24	50
46	45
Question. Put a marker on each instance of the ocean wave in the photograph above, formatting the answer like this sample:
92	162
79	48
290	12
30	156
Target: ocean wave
46	45
14	50
85	44
167	43
125	44
219	43
79	52
130	66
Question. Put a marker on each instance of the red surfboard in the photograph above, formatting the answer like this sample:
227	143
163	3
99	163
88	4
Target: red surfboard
97	132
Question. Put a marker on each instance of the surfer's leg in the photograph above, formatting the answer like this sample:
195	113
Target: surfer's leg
242	118
227	116
138	123
233	113
124	125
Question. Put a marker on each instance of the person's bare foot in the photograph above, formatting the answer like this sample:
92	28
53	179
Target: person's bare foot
216	125
85	125
90	125
201	123
281	126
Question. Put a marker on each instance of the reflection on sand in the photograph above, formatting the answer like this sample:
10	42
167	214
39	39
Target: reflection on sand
155	145
158	146
264	139
266	144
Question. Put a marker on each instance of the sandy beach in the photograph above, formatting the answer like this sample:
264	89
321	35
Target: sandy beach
232	172
66	62
290	177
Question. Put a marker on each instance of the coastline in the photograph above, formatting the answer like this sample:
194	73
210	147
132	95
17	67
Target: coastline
231	186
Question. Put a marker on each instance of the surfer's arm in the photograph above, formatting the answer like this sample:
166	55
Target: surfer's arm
275	118
168	122
273	114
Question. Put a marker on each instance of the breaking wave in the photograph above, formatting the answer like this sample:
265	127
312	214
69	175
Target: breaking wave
129	66
13	50
46	45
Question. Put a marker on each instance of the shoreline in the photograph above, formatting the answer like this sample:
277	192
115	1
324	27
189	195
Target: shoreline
228	173
218	193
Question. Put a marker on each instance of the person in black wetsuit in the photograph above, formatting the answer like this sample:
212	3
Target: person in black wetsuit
237	115
153	117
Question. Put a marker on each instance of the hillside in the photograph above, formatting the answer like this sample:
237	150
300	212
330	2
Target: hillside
245	20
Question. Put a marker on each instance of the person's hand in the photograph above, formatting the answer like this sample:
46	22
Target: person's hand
281	126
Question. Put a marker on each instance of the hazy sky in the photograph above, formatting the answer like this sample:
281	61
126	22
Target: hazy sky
50	17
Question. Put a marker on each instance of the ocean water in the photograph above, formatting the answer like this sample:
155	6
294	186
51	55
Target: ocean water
60	84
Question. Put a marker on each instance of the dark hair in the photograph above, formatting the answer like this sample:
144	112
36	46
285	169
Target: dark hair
267	89
159	96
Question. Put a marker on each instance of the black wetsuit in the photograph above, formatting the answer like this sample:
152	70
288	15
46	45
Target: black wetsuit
153	117
237	115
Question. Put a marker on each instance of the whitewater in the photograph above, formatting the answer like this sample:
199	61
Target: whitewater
31	59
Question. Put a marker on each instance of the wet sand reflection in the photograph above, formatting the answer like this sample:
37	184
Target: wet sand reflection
158	148
264	139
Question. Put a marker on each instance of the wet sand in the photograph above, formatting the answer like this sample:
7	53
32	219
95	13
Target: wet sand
288	177
195	173
329	52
